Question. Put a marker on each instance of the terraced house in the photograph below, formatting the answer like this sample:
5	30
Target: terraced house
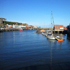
2	22
59	27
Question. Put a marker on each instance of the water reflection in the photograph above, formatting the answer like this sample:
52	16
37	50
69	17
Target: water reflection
60	45
68	39
31	49
51	50
54	45
51	40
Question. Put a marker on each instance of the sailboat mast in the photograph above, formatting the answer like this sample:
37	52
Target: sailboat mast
51	19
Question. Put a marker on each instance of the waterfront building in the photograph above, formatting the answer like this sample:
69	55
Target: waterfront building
59	28
68	27
35	26
15	26
6	26
2	20
22	26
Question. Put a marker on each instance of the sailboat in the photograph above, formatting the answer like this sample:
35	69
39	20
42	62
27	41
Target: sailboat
50	32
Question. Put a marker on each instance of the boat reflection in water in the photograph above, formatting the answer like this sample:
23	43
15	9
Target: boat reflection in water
27	50
53	49
51	40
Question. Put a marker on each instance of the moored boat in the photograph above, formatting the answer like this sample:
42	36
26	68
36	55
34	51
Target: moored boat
50	34
45	34
60	40
20	29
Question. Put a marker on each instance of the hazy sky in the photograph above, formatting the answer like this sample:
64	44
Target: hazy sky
36	12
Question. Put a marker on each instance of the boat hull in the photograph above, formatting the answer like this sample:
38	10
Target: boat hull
50	37
20	29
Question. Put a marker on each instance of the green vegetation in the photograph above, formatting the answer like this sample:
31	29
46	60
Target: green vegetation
11	23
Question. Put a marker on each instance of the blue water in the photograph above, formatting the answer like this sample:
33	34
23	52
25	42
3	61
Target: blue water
26	48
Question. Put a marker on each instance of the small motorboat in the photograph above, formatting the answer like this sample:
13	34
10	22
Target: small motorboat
42	30
60	40
58	36
20	29
44	34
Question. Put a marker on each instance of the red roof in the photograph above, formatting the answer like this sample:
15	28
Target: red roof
65	28
59	25
10	26
20	25
5	25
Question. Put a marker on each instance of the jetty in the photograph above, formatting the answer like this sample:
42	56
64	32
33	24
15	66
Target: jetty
58	31
11	29
5	30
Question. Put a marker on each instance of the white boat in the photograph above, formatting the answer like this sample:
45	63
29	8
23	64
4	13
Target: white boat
50	34
42	33
45	34
60	37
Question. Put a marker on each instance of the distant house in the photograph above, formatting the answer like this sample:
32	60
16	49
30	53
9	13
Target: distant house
10	26
35	27
59	28
21	26
14	26
6	26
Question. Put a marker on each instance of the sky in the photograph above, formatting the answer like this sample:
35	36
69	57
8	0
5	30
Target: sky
36	12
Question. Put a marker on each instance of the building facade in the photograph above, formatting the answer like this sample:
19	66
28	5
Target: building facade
2	20
59	28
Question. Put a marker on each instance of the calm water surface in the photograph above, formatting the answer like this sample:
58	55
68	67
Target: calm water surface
26	48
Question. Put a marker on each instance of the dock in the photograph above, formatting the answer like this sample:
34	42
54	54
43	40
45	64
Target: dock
10	29
57	32
5	30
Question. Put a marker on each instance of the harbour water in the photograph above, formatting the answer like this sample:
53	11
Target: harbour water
20	49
